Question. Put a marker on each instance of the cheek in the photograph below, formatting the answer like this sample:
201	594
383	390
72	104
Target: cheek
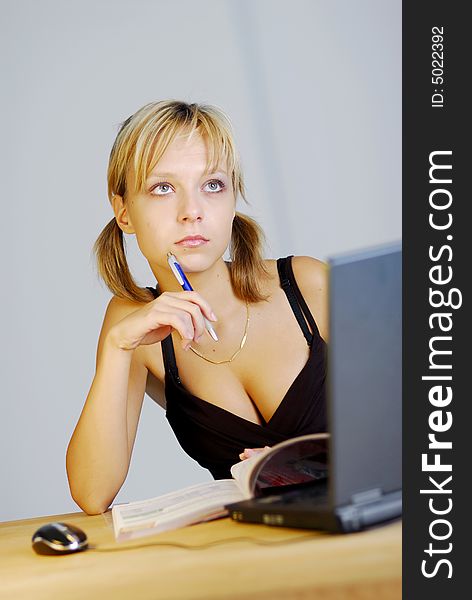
222	228
150	227
149	238
226	213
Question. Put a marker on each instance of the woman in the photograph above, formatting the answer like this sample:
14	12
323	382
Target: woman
173	181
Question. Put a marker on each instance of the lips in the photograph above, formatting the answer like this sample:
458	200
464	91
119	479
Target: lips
192	241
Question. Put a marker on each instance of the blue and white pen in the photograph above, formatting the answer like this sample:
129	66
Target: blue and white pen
184	282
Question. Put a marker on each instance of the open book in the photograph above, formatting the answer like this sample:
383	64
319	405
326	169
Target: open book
298	461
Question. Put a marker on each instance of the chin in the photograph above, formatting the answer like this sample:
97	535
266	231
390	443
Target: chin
194	260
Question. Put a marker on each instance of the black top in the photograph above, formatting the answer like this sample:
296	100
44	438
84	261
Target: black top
214	436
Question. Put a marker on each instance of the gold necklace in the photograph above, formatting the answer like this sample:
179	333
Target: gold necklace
243	341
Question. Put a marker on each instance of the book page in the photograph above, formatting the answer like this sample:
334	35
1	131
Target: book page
279	465
176	509
242	471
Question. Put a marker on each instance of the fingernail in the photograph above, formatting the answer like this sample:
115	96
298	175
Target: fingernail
213	316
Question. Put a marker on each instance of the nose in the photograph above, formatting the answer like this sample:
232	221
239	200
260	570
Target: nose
190	208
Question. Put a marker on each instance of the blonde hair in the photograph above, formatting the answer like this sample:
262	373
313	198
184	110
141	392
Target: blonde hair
141	141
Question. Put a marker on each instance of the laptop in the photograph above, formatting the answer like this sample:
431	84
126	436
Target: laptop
362	454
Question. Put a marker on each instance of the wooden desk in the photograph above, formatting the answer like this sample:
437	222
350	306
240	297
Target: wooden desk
357	566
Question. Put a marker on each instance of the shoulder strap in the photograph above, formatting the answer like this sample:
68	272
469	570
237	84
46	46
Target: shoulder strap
297	302
168	353
153	291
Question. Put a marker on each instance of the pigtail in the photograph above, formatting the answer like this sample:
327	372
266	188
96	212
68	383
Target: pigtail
247	266
112	265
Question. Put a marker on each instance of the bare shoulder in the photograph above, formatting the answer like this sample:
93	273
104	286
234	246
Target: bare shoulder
310	273
118	308
311	276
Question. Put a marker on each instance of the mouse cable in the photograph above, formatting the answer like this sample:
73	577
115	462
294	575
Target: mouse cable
208	544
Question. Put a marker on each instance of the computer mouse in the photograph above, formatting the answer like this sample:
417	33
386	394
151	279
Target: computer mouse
59	538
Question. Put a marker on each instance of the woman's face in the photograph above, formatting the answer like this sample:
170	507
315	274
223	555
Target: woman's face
181	200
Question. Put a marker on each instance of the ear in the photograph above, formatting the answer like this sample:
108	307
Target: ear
121	214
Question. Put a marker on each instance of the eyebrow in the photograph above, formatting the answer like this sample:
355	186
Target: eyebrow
174	175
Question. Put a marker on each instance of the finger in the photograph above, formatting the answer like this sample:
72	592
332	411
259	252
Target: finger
181	321
248	452
181	304
196	298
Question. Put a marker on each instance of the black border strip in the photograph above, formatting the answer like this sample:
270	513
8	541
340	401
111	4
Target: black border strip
437	123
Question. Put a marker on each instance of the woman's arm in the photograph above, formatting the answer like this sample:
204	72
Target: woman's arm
99	451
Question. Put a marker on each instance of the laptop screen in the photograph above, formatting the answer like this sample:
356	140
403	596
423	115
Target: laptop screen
364	373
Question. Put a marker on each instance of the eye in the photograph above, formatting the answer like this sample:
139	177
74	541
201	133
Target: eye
215	185
161	189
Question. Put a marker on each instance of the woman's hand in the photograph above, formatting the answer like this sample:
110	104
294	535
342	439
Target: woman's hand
182	311
248	452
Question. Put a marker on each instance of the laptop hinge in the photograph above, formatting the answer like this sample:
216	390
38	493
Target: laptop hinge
366	496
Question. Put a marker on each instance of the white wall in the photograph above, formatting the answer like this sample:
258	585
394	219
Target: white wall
314	92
